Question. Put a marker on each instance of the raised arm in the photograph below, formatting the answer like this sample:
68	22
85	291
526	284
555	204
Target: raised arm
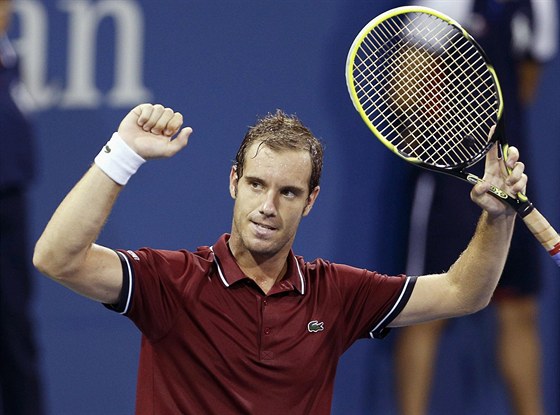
469	284
66	251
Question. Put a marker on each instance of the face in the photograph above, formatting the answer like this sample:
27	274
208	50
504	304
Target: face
270	199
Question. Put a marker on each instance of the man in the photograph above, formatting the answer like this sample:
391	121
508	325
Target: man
19	363
244	325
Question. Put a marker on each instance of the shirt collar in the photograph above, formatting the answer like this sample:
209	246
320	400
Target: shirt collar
230	272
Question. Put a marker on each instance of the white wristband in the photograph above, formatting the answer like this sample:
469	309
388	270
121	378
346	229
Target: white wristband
118	160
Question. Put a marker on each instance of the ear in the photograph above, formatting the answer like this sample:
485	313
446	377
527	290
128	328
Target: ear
311	200
233	180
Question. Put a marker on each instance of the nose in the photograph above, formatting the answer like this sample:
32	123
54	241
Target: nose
268	205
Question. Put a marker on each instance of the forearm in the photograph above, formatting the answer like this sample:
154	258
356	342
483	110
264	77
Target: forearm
477	271
469	284
67	239
66	251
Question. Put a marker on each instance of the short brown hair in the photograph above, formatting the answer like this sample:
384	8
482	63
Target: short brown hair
283	131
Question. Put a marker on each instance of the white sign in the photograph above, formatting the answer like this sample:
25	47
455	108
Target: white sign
79	89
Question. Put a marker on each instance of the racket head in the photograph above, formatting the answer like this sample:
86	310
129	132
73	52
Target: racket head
425	88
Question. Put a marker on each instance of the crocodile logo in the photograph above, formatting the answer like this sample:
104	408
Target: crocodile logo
314	326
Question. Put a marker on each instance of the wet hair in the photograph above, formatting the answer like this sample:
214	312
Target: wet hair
281	131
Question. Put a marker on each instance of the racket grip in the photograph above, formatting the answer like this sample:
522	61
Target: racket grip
545	233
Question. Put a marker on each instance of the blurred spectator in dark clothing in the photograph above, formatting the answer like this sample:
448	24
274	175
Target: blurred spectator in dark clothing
518	36
20	390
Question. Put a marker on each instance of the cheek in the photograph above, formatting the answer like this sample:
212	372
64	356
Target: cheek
244	202
292	215
238	216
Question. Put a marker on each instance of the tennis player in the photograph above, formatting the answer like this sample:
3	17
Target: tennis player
245	326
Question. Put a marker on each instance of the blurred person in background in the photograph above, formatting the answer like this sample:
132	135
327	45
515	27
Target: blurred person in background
20	386
519	36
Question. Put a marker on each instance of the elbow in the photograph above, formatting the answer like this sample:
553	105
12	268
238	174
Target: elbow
47	262
42	260
475	305
472	295
467	301
479	306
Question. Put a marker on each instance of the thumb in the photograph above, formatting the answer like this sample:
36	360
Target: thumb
179	142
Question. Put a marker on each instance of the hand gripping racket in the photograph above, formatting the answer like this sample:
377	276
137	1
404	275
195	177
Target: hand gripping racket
428	92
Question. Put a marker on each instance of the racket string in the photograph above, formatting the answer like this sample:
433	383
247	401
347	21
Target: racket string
434	96
430	83
418	102
447	124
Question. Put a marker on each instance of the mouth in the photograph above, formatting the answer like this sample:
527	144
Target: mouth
263	229
264	226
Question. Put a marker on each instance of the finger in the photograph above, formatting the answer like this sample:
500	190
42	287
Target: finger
155	114
174	124
161	122
520	186
523	184
517	180
491	133
180	142
138	109
143	111
515	173
480	188
512	157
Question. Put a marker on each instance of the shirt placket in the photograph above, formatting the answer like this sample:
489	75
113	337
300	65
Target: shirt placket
267	329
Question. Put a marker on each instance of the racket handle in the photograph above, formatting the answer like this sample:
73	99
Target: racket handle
545	233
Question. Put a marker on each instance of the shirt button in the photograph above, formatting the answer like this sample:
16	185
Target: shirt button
267	330
265	303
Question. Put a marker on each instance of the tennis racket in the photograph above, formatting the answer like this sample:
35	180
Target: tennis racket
428	92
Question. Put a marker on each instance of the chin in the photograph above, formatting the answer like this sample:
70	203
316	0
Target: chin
262	249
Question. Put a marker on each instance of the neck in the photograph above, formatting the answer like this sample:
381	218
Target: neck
263	277
265	272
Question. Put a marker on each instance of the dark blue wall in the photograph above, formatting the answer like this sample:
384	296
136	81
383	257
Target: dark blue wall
222	64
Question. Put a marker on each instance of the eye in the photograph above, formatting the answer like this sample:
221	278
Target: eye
290	193
255	185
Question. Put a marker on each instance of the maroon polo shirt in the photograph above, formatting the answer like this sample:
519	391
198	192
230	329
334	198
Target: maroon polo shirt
214	343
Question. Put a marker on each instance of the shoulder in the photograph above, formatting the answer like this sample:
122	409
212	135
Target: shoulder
165	259
325	269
